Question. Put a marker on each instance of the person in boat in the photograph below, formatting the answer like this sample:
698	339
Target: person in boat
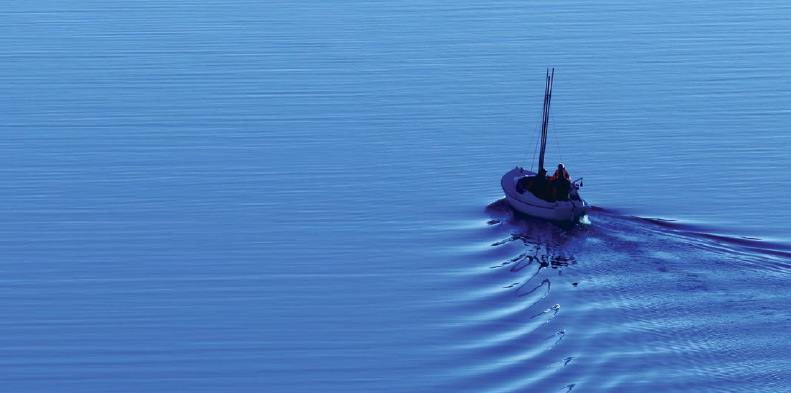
560	173
561	184
540	185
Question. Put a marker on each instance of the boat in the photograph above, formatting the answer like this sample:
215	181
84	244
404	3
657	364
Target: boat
531	193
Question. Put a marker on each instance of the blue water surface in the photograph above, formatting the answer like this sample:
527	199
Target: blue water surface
304	196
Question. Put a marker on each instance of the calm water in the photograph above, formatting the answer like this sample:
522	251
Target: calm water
304	196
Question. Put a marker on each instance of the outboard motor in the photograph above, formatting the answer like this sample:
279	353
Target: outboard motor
574	190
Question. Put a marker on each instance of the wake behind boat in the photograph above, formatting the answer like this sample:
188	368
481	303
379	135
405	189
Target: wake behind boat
534	194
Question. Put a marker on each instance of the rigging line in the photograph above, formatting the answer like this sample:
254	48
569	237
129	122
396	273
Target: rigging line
543	125
535	145
535	148
545	120
555	126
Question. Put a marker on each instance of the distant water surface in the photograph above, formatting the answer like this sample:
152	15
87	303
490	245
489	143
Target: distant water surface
304	196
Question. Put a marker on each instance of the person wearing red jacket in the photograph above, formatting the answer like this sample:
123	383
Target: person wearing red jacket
561	172
561	182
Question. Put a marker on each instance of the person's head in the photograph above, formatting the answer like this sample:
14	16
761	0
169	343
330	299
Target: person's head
542	171
561	167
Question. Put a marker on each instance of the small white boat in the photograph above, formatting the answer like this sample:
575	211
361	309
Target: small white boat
522	187
525	202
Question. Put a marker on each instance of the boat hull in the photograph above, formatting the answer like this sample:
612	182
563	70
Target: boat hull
529	204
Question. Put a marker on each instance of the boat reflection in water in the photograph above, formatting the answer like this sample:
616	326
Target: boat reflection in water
527	300
541	244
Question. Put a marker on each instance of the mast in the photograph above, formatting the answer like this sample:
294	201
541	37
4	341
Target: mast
545	119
